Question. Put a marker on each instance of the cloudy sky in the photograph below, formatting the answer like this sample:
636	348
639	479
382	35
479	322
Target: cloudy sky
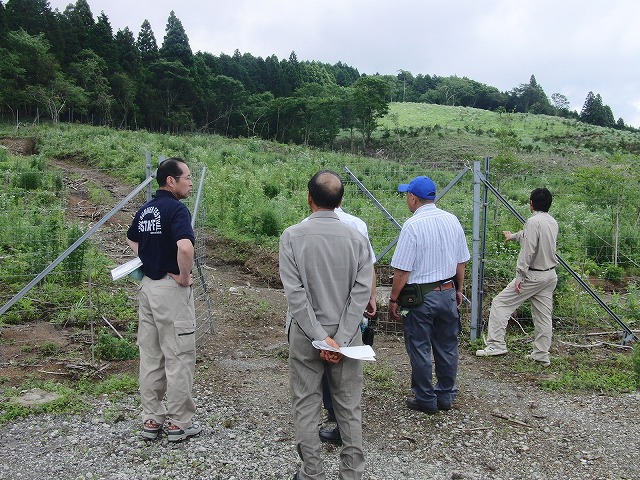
571	46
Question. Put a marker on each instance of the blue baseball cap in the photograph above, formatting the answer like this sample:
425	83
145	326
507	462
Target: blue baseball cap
422	187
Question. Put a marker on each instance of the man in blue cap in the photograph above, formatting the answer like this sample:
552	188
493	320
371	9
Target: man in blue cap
430	257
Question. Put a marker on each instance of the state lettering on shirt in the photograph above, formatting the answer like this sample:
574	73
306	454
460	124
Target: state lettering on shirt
150	221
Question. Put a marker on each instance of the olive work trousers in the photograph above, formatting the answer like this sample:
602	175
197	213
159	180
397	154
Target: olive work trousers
538	289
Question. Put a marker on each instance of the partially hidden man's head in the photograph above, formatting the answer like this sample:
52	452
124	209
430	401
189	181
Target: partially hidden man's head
326	189
541	200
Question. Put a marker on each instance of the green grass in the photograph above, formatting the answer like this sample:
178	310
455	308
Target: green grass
381	376
572	369
72	398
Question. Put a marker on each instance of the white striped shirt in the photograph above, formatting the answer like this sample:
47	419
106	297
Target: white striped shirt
356	223
431	245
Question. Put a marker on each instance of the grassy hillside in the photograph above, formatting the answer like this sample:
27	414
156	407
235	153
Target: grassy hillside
436	132
255	188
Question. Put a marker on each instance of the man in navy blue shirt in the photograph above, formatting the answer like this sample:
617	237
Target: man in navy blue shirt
162	236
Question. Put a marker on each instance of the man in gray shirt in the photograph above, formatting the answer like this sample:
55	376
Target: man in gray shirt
326	271
535	280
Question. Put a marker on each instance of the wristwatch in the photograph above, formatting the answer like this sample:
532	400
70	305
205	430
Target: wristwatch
391	300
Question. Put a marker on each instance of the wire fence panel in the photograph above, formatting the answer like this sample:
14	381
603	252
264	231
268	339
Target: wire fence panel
585	242
41	215
37	226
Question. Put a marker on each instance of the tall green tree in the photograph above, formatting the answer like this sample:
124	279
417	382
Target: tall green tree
595	112
89	72
28	64
3	23
102	42
530	98
33	16
175	46
78	27
147	44
320	114
369	105
57	95
126	51
174	86
123	90
229	96
255	115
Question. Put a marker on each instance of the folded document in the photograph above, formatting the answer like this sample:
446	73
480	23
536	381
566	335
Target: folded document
126	268
360	352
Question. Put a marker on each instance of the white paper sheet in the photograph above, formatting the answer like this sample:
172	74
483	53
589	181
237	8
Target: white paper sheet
360	352
126	268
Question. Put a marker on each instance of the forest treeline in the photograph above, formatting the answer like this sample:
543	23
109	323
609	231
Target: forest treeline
68	66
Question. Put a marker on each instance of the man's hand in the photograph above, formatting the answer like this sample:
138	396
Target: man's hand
372	308
329	356
180	280
518	287
394	311
507	235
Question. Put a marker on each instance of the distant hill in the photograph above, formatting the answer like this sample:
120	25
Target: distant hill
438	132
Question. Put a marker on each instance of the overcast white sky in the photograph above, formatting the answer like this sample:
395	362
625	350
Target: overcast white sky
571	46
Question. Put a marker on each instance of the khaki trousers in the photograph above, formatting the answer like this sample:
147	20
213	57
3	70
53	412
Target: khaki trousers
538	288
166	339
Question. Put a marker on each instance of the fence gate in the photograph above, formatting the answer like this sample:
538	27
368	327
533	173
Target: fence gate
472	307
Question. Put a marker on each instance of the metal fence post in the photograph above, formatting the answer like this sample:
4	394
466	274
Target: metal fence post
476	308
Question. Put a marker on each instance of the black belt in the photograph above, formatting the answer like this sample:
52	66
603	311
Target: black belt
539	270
446	285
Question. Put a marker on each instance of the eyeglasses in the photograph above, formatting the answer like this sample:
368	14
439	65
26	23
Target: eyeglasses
188	177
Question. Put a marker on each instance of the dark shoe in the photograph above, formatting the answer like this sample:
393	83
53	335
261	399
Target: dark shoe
444	405
413	405
151	429
331	436
331	416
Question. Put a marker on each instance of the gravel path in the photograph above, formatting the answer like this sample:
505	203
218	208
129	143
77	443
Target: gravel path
498	429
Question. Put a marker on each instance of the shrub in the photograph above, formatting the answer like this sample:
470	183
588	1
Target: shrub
109	347
613	273
28	180
268	223
74	264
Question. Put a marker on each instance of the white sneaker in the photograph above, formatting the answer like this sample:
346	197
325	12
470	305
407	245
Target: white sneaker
490	351
176	434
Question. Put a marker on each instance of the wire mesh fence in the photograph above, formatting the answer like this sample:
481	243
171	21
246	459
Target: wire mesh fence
587	242
40	223
42	215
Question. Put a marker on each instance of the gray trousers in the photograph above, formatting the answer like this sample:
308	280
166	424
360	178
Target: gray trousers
166	339
345	382
538	289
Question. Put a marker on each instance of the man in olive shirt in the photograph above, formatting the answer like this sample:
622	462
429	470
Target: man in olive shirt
535	280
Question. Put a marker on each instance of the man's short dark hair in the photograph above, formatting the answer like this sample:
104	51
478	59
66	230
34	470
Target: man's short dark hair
326	189
169	168
541	199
